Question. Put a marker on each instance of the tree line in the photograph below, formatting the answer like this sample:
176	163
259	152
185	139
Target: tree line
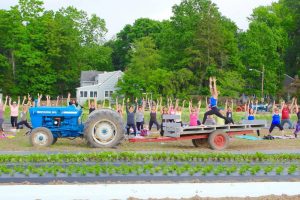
44	51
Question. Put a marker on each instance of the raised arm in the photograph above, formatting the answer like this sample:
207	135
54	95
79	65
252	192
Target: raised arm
296	105
19	100
95	103
273	107
136	105
210	86
215	90
5	103
103	104
231	105
39	99
199	105
48	102
89	103
57	101
256	103
226	104
206	104
190	106
24	99
127	110
9	102
183	105
69	98
292	105
176	104
281	106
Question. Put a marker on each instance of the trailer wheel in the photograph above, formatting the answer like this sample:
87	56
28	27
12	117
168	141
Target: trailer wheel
218	140
41	137
199	142
104	128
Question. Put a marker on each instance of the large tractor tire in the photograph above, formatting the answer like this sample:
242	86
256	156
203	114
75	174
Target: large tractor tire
104	128
41	137
218	140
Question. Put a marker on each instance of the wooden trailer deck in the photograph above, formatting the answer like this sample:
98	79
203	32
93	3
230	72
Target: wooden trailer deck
216	135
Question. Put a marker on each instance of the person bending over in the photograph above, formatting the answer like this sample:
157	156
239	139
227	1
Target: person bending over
213	101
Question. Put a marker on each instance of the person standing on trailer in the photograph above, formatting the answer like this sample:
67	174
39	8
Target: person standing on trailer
229	112
131	117
276	120
194	113
297	128
285	115
210	118
213	101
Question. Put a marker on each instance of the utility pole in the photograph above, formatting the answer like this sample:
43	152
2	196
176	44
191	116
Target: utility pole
262	83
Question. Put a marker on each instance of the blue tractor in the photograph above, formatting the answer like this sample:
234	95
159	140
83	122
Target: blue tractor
103	128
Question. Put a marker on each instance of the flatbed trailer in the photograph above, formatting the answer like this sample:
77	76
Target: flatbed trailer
217	136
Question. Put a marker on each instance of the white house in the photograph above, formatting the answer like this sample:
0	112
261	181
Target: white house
97	84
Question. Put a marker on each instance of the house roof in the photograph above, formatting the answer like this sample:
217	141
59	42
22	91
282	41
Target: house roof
102	78
89	75
287	80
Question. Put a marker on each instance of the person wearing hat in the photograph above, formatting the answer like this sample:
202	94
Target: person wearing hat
14	112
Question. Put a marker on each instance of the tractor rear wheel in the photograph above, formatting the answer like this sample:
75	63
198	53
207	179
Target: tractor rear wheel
104	128
41	137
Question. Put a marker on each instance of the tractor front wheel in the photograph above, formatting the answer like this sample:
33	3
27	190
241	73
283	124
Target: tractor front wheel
104	128
41	137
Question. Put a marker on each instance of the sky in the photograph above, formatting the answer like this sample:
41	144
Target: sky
118	13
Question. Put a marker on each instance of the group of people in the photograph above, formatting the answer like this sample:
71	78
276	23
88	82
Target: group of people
135	112
14	112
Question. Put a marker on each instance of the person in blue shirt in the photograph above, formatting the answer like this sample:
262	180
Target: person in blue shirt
250	112
276	120
213	101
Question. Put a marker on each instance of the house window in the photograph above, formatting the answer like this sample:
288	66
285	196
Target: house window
91	94
108	94
85	93
81	93
95	94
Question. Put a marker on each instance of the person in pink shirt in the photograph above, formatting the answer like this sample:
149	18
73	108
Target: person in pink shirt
285	114
194	113
14	112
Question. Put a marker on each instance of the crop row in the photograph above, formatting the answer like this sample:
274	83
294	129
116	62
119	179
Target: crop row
149	169
131	156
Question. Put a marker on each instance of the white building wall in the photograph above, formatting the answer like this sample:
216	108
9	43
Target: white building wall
109	81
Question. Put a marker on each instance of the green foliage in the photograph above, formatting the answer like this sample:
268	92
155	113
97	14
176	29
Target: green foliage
45	51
